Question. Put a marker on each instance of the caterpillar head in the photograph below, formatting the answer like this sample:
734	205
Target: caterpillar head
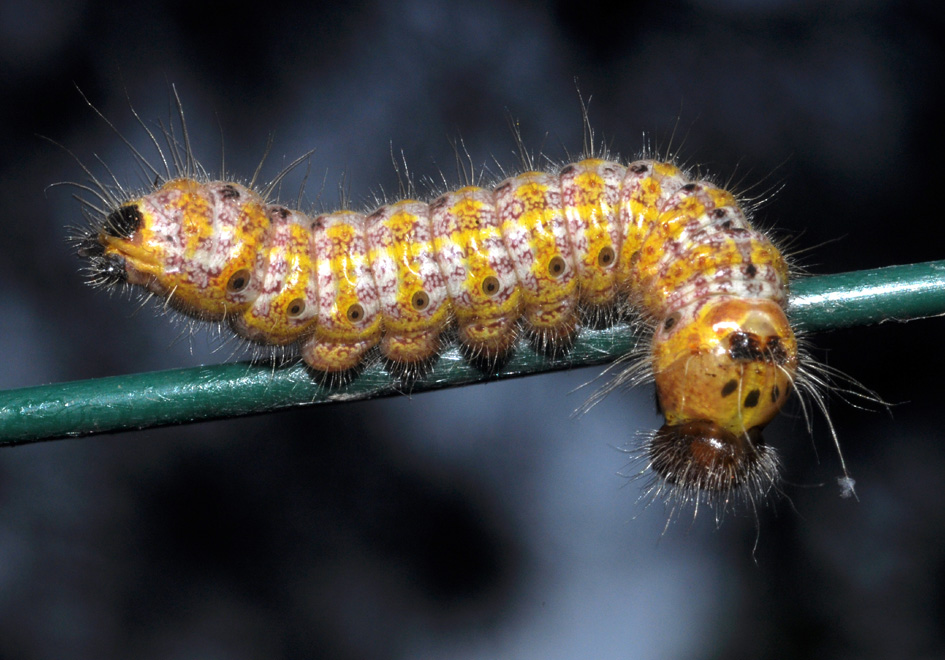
723	370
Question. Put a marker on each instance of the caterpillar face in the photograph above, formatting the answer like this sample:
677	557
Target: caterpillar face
722	373
537	253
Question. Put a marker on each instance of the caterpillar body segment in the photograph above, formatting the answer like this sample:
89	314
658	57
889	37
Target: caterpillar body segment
590	197
478	271
286	305
534	230
539	252
414	302
349	315
643	195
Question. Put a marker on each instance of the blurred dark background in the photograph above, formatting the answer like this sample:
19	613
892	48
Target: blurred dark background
480	522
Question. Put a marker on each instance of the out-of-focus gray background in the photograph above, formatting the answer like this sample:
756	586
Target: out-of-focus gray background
481	522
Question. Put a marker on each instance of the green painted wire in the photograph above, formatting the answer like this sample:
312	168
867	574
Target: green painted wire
180	396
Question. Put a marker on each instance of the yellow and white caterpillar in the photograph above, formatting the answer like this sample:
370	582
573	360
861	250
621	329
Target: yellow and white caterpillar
539	252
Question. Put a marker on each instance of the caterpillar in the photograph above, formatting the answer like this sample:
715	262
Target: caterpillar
542	253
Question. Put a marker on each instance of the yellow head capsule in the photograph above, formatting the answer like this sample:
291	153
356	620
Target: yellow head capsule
722	373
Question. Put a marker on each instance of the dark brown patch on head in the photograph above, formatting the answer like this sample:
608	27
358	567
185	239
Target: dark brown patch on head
776	350
690	187
230	192
639	168
701	457
729	387
752	399
568	169
744	346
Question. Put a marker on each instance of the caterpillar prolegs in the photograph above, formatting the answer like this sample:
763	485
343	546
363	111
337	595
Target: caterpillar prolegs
539	252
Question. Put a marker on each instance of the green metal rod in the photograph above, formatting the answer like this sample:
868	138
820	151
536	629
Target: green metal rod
865	297
180	396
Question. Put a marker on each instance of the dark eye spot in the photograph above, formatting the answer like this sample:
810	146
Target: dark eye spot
420	300
238	281
776	350
355	313
718	213
490	285
744	347
729	387
752	399
671	321
639	168
124	222
230	192
690	187
606	257
751	270
296	307
557	266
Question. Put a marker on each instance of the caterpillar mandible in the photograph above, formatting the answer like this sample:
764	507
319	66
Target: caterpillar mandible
540	252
